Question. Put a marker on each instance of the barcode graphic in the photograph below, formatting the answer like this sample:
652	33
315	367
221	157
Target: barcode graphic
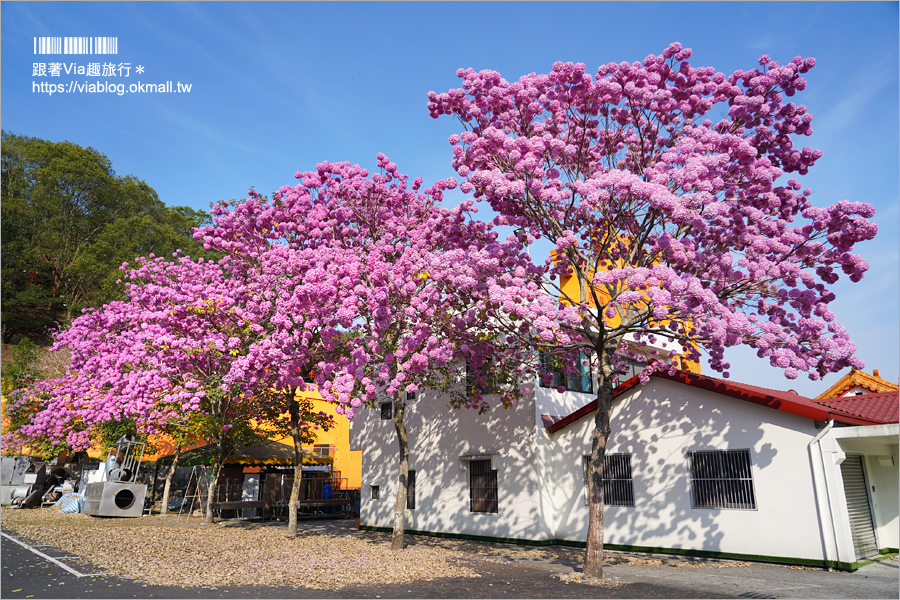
76	45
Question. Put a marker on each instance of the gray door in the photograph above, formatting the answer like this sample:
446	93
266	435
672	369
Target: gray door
857	494
250	493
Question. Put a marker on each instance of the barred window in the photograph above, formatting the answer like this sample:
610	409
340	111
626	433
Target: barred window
472	377
387	411
722	479
375	492
579	381
411	490
482	487
618	486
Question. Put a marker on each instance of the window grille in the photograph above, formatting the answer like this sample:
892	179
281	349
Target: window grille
618	486
722	479
387	411
579	381
375	492
483	495
411	490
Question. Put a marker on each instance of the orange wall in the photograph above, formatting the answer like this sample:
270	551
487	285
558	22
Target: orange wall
4	422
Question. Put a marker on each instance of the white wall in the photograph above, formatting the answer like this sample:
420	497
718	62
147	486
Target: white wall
856	389
541	485
438	436
658	424
550	402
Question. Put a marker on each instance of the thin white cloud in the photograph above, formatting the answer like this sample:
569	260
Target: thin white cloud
856	107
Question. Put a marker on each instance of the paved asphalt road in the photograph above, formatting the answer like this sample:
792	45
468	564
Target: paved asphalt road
53	574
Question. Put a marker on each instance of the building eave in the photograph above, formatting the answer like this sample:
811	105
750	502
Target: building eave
873	383
801	407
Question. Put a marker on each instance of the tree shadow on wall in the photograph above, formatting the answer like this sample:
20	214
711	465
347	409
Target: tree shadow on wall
658	431
442	442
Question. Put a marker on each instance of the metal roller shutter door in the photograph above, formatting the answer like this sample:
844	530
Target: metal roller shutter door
861	526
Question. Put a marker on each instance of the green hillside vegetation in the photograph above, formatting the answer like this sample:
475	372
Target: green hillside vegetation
68	223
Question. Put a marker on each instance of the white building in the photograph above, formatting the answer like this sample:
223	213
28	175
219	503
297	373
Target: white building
696	465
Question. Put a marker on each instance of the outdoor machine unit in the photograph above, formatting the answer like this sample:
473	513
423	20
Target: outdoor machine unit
117	494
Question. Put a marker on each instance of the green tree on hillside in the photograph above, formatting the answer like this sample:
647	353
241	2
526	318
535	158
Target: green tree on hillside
68	223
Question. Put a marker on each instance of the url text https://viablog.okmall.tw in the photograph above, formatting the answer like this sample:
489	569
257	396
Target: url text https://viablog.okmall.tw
109	87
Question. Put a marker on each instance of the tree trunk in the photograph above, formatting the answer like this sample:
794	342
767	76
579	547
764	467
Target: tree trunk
294	411
593	556
208	518
397	541
170	476
154	485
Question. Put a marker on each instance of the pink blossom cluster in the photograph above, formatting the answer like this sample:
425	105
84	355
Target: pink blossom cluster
150	357
405	287
669	180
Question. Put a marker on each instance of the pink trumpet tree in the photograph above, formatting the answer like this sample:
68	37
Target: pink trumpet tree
173	348
304	329
418	288
671	194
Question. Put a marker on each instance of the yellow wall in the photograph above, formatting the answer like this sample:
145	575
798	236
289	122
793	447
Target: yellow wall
571	288
4	421
348	462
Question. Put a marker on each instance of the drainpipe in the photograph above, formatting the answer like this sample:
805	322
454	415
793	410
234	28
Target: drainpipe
821	491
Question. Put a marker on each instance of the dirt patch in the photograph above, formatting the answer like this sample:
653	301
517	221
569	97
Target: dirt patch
183	552
607	581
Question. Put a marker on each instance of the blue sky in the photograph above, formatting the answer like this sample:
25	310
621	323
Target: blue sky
277	87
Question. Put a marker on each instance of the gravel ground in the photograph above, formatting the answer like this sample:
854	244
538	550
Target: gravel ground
182	552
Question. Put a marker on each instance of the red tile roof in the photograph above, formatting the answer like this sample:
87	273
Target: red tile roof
856	414
882	406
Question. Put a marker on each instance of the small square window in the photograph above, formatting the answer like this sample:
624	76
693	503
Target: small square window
632	368
375	492
387	411
324	449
